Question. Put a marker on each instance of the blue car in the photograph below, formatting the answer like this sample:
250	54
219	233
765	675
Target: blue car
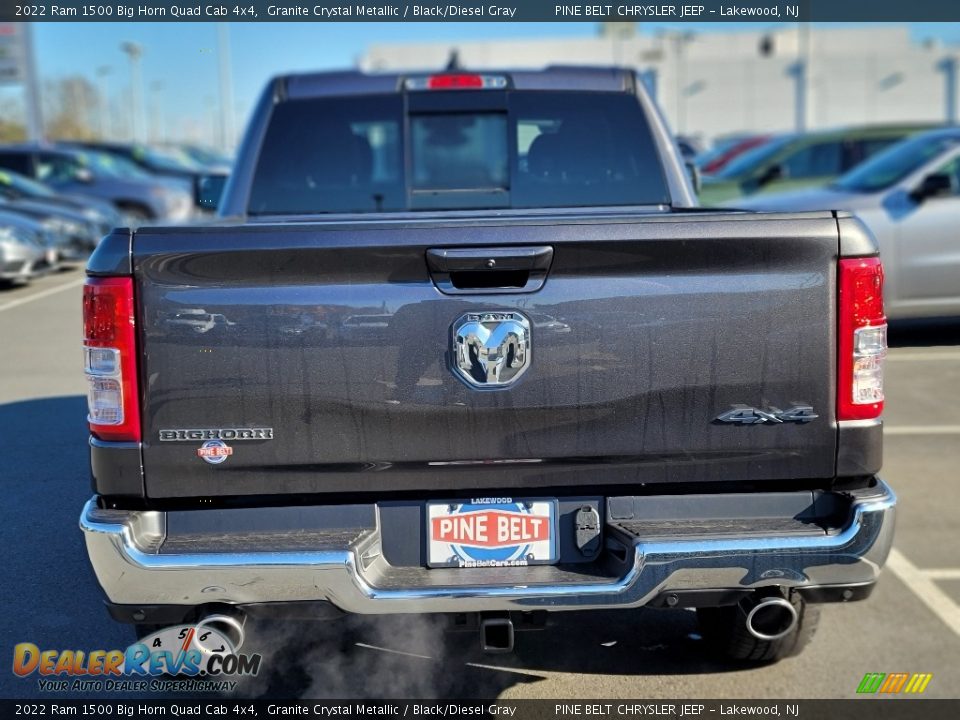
138	196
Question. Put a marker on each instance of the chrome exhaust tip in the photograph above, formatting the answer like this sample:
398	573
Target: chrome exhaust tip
771	618
230	627
496	635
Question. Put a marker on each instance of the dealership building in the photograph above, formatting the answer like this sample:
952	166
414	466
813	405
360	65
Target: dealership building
710	84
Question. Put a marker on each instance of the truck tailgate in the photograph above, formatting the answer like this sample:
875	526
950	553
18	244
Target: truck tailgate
332	342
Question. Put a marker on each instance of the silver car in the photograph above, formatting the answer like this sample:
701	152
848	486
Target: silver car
23	254
909	196
68	232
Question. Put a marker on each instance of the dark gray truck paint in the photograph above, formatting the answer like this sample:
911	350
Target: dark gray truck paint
332	330
334	335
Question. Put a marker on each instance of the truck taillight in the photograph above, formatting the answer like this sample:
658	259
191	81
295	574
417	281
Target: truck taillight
454	82
863	339
110	358
457	81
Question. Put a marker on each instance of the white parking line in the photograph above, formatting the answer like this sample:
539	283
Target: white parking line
390	650
42	294
517	671
942	573
482	666
923	356
925	589
921	429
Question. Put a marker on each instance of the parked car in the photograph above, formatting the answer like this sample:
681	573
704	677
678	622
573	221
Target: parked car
689	147
695	423
716	158
800	160
100	213
23	251
909	196
70	234
138	196
208	158
169	162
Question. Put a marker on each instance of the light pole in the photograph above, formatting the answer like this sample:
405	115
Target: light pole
618	32
681	40
103	72
226	87
134	52
948	66
211	105
802	77
158	130
35	130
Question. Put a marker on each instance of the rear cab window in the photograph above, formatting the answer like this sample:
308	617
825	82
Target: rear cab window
457	150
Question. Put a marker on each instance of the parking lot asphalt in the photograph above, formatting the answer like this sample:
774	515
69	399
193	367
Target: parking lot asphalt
911	624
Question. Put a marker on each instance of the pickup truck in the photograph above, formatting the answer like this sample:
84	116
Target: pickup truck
474	350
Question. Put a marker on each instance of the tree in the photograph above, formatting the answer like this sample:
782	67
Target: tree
70	108
12	125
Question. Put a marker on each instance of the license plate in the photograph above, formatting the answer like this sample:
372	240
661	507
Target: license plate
495	532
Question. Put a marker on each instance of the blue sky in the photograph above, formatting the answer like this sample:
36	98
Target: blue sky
182	56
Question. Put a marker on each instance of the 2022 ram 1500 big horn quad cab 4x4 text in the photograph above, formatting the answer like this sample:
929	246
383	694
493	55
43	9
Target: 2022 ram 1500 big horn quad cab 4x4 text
471	348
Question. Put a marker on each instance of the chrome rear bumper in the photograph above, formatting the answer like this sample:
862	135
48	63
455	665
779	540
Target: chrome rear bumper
125	549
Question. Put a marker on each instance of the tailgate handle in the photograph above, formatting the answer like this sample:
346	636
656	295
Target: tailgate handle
460	271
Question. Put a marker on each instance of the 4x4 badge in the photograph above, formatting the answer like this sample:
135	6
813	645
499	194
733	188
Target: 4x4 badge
746	415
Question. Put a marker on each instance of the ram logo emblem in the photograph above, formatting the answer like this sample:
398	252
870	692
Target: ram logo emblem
491	349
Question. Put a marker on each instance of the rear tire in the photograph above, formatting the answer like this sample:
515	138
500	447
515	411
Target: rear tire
726	635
